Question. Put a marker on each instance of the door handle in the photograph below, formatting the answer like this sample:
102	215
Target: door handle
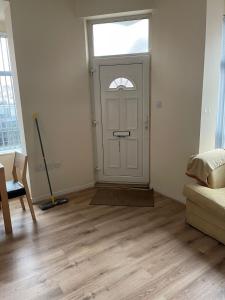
94	123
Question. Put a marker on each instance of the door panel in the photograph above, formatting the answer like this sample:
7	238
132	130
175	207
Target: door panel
132	154
113	153
122	110
113	113
131	113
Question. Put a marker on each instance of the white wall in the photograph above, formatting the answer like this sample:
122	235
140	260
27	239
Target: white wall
178	40
177	76
86	8
215	10
53	75
2	26
53	78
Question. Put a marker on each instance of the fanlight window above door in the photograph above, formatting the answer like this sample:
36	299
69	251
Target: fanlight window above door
122	83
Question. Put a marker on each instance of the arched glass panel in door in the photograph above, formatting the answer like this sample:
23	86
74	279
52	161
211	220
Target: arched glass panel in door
122	83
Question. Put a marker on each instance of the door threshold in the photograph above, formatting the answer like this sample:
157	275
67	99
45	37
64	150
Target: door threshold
122	185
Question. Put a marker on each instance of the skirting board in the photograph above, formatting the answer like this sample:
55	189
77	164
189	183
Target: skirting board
36	200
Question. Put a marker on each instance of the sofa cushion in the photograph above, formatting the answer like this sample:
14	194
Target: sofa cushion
206	198
200	166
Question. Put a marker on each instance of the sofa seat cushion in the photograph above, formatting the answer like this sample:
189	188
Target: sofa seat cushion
206	198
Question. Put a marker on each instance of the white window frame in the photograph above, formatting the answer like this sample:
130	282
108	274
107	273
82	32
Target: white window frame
11	74
90	24
94	63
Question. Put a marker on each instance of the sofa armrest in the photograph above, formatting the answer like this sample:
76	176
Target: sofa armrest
217	178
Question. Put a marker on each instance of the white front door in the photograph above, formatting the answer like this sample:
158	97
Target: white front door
124	124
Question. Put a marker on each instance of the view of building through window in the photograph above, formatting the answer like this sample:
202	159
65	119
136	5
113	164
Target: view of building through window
9	129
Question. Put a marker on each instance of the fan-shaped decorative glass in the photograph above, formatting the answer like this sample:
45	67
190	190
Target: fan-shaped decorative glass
121	83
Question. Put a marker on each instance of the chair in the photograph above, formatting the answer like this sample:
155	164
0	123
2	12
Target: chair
18	187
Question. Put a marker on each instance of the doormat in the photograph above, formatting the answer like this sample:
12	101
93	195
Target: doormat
123	197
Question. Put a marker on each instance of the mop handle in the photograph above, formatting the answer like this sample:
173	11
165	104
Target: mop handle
43	154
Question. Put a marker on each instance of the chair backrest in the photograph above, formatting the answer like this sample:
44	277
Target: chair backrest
19	167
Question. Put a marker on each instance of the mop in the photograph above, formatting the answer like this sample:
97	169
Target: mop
53	201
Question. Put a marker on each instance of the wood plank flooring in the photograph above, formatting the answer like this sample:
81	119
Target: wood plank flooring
78	251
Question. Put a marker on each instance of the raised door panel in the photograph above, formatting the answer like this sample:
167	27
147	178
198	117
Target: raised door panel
113	114
132	154
131	113
114	154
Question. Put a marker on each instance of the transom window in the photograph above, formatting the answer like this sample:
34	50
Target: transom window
121	37
121	83
9	129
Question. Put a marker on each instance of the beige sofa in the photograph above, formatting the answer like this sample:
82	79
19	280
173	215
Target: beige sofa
206	205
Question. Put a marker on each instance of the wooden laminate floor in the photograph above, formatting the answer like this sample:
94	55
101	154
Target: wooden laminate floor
87	252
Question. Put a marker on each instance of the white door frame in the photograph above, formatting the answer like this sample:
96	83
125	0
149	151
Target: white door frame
97	116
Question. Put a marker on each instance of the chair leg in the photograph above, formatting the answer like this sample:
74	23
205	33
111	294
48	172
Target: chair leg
6	216
30	203
22	203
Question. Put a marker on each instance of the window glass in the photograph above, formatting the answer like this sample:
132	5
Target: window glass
121	82
9	129
220	129
126	37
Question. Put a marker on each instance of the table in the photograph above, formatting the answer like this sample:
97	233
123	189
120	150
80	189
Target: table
5	202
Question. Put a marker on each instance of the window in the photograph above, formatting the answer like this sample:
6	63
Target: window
220	130
9	129
124	37
121	83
